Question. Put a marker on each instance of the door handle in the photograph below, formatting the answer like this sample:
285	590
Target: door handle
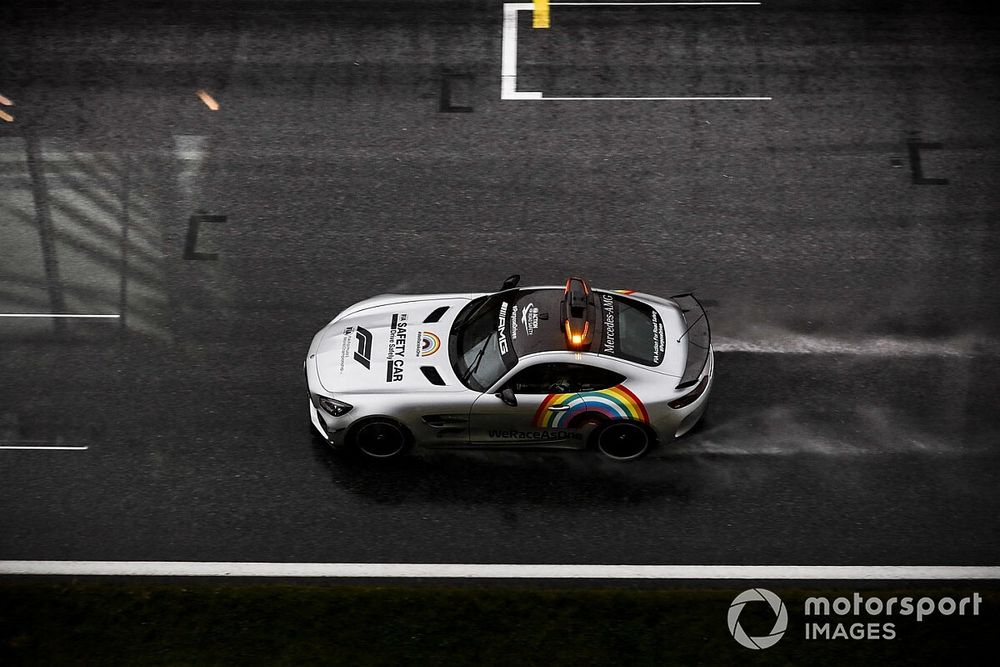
558	408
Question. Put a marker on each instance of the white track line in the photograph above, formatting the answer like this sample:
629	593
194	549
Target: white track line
647	4
674	99
64	315
69	449
492	571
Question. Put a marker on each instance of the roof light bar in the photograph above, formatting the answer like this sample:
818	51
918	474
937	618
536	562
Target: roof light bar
577	311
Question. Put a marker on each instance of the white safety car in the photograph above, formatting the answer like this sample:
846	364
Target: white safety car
554	367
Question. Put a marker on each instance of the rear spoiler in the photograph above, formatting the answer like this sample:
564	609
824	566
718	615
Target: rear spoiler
699	337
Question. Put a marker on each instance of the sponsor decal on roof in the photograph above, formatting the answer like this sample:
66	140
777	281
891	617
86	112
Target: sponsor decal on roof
659	338
505	325
502	329
610	317
616	403
529	318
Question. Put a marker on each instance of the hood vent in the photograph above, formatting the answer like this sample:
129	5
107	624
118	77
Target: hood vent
432	375
436	315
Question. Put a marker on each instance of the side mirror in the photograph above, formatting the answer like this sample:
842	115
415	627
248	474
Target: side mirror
511	282
508	397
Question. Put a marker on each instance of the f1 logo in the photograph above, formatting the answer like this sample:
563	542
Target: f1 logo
363	355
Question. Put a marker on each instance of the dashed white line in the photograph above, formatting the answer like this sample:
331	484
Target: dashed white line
41	447
493	570
63	315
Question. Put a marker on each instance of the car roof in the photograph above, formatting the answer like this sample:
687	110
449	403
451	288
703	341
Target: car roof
531	322
590	358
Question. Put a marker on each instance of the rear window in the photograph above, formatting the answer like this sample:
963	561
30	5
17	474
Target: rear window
630	330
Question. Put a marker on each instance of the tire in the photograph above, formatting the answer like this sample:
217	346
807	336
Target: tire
380	439
623	440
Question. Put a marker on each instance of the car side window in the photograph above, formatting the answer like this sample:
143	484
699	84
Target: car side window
557	378
537	379
591	378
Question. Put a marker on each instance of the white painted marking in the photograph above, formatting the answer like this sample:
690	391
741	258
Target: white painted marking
54	180
495	570
53	156
190	147
64	315
508	49
643	4
60	448
590	99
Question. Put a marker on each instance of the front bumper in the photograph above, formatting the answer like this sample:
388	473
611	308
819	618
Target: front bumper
334	436
323	423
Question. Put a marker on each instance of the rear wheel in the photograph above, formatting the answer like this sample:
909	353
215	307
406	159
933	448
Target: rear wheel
380	439
623	441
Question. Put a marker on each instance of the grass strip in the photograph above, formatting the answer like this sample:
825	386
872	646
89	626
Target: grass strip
88	622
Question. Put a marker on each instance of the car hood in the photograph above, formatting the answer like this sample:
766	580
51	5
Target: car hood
387	345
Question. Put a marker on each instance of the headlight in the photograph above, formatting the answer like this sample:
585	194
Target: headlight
333	406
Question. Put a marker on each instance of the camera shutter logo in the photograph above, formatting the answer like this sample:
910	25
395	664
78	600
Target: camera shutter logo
780	622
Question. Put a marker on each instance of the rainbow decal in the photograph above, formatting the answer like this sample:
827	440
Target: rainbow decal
429	343
626	292
614	403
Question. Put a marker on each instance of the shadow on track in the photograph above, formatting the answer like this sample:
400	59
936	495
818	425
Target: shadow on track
475	477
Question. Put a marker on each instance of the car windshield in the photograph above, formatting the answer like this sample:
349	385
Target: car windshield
480	348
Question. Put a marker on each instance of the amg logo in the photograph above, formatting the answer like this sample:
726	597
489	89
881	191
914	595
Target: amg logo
363	355
502	329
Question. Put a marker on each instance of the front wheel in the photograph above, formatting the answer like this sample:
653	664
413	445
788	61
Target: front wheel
623	441
380	439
